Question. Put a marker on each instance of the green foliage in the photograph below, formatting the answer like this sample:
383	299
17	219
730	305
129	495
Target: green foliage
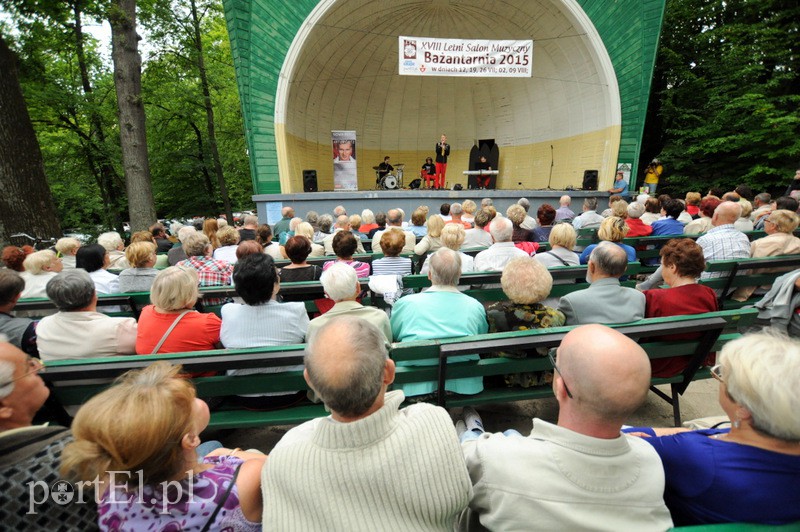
79	130
725	95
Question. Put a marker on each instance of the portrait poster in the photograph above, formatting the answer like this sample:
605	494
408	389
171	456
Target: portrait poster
343	145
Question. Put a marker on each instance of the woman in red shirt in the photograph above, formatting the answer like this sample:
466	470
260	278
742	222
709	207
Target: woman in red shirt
174	294
682	263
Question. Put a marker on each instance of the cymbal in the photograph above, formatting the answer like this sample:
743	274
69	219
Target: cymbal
399	165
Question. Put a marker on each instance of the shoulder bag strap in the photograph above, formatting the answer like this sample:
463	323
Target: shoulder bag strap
222	502
166	334
565	263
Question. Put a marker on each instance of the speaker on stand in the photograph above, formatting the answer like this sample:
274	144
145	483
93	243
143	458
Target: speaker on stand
309	180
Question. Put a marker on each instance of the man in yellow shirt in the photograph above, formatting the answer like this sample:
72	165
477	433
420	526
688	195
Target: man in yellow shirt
652	174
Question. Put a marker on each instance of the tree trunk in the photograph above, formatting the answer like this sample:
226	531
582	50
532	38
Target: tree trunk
133	139
212	136
99	161
26	204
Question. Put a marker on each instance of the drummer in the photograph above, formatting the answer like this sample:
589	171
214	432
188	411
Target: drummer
428	172
384	168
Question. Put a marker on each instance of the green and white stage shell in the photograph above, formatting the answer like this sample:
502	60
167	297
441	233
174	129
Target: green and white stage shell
307	67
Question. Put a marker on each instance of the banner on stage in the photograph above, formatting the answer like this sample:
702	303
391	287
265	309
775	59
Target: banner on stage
429	56
344	160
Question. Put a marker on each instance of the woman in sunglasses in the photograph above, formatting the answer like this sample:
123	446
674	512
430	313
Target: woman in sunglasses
748	473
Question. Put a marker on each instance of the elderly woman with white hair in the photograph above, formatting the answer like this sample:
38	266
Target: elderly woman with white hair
341	286
115	246
40	267
636	227
747	473
66	248
177	254
527	283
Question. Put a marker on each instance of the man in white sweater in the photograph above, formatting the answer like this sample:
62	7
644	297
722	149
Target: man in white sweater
370	465
581	473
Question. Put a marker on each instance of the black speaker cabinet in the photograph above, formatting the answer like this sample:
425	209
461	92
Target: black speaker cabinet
589	180
310	180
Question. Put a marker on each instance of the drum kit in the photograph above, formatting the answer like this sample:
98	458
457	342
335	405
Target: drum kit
390	181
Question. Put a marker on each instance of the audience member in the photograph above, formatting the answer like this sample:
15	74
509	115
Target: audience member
170	324
432	239
261	322
469	207
344	245
14	256
163	243
210	228
527	283
444	211
210	272
580	473
228	238
418	226
394	222
150	421
67	248
30	454
342	224
564	212
113	243
77	330
588	218
453	237
455	216
324	225
693	204
96	260
355	223
440	312
612	200
703	223
392	263
367	221
339	210
546	215
744	223
368	445
248	247
287	213
498	254
682	263
671	209
264	237
139	277
780	240
747	473
341	286
652	212
762	206
605	301
248	230
20	332
305	229
380	222
297	249
478	237
177	254
636	227
516	213
529	222
562	241
39	268
613	229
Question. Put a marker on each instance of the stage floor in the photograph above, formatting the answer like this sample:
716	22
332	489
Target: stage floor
269	205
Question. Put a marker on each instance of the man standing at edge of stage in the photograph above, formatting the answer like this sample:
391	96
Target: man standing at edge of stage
442	152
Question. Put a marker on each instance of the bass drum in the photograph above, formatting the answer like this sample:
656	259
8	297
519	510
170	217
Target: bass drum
390	182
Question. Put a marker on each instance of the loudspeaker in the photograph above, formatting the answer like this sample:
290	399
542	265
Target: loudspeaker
310	180
590	180
415	183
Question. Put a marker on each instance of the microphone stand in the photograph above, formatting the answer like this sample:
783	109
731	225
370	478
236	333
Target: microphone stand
551	168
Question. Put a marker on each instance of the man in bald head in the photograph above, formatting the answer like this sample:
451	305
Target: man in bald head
394	222
370	465
581	473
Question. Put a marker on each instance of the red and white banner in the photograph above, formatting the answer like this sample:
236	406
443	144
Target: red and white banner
429	56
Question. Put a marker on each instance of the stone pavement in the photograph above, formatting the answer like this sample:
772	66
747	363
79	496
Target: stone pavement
700	400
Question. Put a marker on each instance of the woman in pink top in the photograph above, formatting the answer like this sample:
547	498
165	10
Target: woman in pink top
344	245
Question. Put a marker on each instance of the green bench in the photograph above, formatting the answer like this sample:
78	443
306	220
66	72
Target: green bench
739	272
70	388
